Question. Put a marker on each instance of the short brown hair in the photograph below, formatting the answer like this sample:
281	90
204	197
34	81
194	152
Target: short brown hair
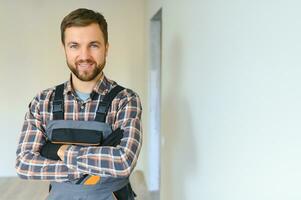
84	17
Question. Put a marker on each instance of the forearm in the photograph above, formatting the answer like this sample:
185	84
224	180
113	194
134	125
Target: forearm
30	165
116	161
29	162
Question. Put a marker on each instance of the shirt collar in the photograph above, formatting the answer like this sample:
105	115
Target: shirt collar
102	86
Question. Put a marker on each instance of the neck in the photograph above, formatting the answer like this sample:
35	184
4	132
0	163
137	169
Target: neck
84	86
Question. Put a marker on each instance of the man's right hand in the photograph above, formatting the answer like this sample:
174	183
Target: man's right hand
114	138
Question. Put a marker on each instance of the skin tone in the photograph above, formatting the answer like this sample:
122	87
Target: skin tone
86	52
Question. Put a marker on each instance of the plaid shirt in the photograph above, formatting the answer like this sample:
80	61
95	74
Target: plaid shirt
125	112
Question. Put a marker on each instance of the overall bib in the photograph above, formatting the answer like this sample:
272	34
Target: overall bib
86	133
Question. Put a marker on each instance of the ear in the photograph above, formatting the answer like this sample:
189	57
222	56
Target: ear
63	48
107	49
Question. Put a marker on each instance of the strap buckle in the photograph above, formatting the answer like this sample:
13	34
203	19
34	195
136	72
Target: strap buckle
103	107
57	106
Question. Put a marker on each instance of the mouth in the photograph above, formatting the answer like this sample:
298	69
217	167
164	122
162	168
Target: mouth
85	65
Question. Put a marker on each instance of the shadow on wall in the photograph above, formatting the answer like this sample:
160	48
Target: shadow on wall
179	151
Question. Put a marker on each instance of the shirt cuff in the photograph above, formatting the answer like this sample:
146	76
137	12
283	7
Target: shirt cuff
71	156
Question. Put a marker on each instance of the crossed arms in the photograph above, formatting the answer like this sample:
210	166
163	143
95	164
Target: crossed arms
116	161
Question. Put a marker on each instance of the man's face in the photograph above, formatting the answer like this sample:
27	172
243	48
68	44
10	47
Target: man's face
86	51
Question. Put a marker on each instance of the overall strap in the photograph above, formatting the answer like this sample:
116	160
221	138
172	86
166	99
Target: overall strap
58	103
105	104
101	114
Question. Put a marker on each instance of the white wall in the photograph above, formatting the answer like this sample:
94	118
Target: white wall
231	99
32	58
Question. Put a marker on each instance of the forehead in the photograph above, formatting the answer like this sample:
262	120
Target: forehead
84	34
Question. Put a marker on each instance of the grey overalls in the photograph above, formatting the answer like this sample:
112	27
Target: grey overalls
88	132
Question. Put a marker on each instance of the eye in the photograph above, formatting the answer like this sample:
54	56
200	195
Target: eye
94	46
73	46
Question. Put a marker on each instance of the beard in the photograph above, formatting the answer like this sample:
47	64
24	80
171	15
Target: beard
86	75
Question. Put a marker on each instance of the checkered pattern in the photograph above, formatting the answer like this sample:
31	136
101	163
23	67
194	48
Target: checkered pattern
125	112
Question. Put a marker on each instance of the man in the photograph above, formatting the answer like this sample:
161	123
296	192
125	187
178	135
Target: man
80	170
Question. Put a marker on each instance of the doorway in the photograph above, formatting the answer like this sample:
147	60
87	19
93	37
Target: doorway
155	103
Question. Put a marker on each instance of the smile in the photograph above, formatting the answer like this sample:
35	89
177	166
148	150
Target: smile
84	65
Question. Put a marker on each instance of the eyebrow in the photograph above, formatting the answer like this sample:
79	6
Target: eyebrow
95	42
69	43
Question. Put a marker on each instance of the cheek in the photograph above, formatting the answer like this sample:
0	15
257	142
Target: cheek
99	57
70	57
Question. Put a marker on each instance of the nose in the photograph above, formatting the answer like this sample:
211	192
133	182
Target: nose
84	54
